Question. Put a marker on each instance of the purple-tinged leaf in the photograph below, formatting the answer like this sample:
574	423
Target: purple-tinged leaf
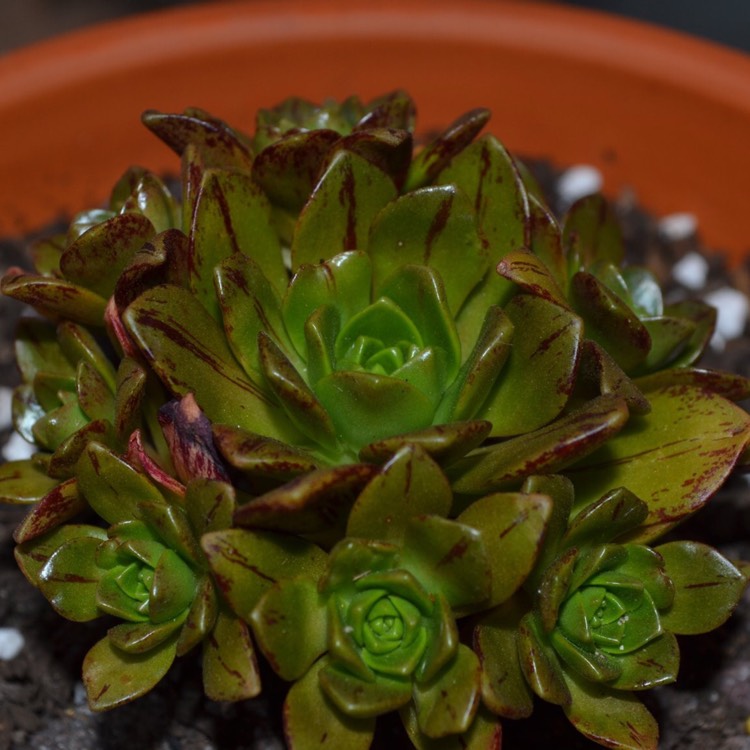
188	434
139	456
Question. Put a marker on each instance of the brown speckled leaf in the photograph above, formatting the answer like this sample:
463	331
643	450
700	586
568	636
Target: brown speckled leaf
546	450
673	458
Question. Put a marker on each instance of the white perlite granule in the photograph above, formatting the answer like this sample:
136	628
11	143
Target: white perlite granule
691	271
6	400
577	182
11	643
732	308
17	449
679	226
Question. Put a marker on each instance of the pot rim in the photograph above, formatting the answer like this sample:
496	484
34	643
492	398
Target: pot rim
706	86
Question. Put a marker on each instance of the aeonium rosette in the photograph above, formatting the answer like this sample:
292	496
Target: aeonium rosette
604	617
143	565
371	626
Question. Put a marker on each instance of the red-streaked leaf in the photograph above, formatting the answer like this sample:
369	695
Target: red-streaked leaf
410	484
230	670
673	458
544	451
612	718
315	505
707	587
247	563
539	376
59	505
113	677
188	350
24	481
55	298
512	526
97	258
340	212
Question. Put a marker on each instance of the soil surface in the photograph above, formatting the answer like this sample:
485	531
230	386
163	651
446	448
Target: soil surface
42	701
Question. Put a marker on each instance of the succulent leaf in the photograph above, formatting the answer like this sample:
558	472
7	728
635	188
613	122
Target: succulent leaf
674	458
114	677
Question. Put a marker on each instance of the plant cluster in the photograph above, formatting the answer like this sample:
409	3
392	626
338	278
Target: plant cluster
367	410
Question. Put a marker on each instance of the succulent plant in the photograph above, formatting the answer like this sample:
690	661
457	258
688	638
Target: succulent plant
370	627
598	618
334	390
146	568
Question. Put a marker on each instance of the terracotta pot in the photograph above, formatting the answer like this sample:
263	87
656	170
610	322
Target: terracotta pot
662	113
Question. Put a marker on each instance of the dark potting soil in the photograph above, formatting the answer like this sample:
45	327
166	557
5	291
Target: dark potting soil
42	700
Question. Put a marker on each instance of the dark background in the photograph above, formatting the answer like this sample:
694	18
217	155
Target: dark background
725	21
